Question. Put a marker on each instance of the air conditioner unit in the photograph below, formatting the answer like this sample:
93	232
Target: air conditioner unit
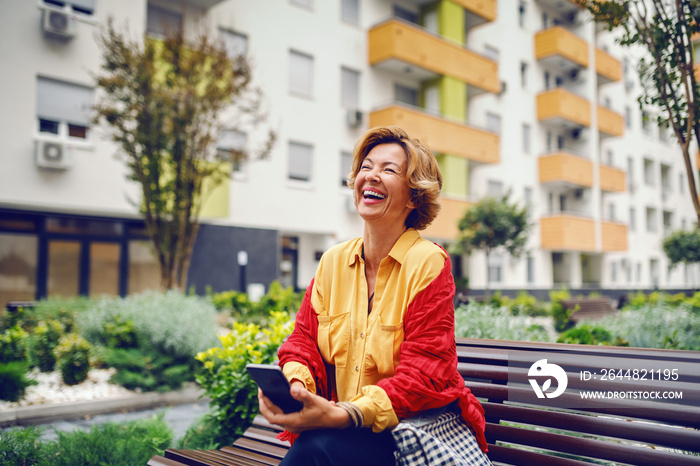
353	118
53	154
59	24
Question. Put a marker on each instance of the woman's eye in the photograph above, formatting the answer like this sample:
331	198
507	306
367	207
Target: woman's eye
391	170
364	167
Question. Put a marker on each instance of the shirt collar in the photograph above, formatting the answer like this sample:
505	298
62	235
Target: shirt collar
398	252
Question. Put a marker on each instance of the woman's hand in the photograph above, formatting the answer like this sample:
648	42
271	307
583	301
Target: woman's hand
317	413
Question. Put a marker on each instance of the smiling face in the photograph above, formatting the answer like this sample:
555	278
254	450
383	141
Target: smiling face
381	192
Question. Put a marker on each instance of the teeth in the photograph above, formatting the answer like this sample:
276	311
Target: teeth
369	193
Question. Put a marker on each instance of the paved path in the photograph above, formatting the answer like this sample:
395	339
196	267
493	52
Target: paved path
179	419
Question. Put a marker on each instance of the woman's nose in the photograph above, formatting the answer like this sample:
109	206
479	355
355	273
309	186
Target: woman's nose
373	175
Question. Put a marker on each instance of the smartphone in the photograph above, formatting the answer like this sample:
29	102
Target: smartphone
275	386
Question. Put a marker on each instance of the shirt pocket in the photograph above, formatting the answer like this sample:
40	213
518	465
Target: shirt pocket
390	337
333	338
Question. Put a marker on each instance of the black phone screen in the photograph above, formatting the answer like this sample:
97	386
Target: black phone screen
275	386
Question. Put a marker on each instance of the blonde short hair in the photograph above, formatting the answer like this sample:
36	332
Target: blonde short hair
423	175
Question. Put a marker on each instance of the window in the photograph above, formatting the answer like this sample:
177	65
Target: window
63	108
668	222
523	75
301	70
350	11
493	122
405	94
683	224
646	123
649	178
406	14
530	270
236	44
628	270
628	117
18	267
143	268
639	272
160	21
494	188
630	173
665	178
528	197
651	220
231	147
611	212
306	3
300	155
491	52
86	7
632	220
609	157
522	14
681	182
526	138
495	268
549	141
349	88
345	167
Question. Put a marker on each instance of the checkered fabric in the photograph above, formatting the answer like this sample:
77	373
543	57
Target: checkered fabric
442	441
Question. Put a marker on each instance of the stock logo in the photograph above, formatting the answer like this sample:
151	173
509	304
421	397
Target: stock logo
542	368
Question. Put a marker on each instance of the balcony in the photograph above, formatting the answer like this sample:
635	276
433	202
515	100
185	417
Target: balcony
614	236
696	72
567	169
203	4
612	180
440	134
478	12
394	44
567	232
561	49
444	227
610	123
607	67
564	107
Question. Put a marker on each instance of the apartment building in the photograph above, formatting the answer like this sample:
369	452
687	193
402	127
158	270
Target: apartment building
527	96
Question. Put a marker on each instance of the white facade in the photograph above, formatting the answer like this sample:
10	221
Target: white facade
319	211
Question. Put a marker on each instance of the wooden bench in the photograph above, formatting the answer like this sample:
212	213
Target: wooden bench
524	430
589	308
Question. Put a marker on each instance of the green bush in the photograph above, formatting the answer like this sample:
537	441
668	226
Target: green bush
173	323
23	447
560	314
64	310
42	344
13	344
201	435
13	380
120	333
656	326
148	369
526	304
277	299
73	355
589	335
479	320
233	393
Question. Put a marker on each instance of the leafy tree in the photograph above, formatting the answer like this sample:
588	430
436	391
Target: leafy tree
683	246
162	102
663	28
492	224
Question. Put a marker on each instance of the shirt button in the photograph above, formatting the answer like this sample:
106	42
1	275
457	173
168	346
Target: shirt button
362	335
357	368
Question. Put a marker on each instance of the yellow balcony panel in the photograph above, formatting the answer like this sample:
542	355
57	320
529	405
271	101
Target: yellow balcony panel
567	233
560	104
444	226
696	72
395	40
614	236
612	180
608	68
478	11
558	42
566	168
441	135
610	123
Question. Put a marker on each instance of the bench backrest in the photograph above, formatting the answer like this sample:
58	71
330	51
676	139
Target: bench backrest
525	430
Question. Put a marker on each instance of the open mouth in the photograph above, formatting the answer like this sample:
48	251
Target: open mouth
369	194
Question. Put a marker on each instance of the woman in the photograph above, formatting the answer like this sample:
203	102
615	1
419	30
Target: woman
374	337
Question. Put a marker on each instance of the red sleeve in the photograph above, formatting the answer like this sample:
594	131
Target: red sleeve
426	376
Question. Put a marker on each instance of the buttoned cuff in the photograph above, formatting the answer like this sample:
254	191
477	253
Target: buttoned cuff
376	408
296	370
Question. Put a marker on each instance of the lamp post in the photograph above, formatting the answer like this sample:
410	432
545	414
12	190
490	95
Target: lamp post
242	263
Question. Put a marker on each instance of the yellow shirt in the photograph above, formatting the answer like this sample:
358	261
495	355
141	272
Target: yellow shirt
364	348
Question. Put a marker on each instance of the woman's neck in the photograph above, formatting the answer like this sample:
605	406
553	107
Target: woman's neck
378	241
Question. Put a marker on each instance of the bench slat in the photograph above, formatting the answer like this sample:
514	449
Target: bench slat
519	457
591	448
